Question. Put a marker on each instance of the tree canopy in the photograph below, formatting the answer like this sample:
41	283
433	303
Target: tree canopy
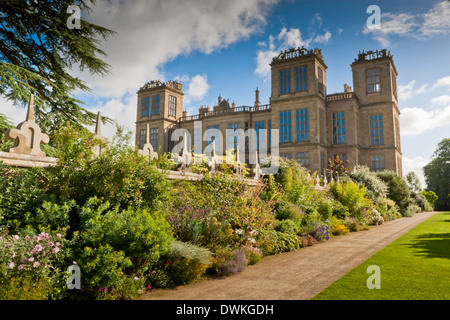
38	50
437	174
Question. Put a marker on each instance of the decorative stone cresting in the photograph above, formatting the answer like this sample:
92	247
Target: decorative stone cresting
28	136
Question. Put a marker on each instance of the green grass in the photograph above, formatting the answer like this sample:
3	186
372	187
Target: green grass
414	267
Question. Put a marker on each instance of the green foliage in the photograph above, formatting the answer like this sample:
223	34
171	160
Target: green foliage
351	195
140	235
274	242
287	226
186	262
398	189
37	54
376	188
287	210
338	168
220	210
25	287
420	200
20	195
437	174
118	175
430	196
388	209
413	182
5	124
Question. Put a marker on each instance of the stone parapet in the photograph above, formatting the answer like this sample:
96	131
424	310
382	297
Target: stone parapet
26	160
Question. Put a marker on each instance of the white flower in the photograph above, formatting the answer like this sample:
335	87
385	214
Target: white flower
11	265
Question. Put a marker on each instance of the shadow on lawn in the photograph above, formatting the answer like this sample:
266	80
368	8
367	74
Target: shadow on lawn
432	245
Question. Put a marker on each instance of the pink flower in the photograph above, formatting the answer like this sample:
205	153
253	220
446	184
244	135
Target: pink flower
51	244
36	264
20	267
14	254
11	265
31	259
57	244
149	287
74	262
16	237
27	238
58	235
38	248
55	250
36	238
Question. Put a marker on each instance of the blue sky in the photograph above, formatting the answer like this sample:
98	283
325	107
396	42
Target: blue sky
224	46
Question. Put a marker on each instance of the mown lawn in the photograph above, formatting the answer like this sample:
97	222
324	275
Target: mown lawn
414	267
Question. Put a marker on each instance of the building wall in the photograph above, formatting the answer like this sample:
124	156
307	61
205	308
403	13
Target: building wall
357	105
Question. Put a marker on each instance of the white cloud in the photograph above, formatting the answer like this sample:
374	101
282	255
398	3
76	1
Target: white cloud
398	24
415	121
151	33
197	88
443	100
286	39
118	110
443	82
405	92
436	21
419	26
15	114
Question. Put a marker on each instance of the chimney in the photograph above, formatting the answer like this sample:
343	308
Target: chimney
257	102
220	100
185	113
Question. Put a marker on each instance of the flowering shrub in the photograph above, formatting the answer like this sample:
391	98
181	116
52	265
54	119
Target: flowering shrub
318	230
388	209
338	227
29	258
229	261
186	262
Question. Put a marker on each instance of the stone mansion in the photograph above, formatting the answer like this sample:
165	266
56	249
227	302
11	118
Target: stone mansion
360	125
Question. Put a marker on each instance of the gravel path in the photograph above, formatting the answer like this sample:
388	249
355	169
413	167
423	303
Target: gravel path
297	275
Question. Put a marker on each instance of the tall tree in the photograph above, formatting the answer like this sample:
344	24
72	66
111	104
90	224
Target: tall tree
413	182
40	44
437	174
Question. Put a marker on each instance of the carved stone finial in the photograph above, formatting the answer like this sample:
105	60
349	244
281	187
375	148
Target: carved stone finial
257	168
317	181
28	136
238	166
184	157
147	148
212	164
98	134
